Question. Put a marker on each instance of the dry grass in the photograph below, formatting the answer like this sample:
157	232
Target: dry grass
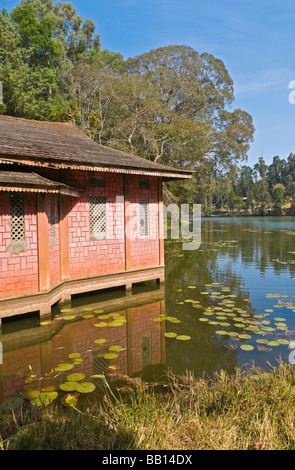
247	411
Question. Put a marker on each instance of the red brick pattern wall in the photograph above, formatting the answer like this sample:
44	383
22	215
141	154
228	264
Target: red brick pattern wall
144	250
143	325
88	257
18	272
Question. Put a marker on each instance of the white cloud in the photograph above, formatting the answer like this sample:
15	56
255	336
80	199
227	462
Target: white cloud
271	80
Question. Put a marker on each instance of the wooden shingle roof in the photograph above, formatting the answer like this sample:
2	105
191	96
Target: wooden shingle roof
63	145
31	182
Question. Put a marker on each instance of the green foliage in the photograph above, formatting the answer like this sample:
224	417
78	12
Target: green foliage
170	105
261	190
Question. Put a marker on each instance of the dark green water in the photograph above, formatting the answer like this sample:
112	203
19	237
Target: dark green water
239	282
253	257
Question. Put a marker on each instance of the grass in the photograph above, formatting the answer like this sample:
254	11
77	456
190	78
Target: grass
253	410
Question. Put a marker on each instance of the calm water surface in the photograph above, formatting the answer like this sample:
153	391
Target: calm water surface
237	290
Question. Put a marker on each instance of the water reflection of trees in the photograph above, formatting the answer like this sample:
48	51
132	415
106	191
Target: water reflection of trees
205	353
255	243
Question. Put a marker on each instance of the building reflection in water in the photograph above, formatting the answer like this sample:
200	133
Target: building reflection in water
30	356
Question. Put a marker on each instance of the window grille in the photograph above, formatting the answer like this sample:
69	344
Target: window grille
143	218
100	367
98	181
97	217
143	184
146	351
17	221
52	220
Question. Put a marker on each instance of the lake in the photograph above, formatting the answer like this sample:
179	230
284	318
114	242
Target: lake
228	304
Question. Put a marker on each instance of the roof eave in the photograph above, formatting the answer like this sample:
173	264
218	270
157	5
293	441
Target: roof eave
170	174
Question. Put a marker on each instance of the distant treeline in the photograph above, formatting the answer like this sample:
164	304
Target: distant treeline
261	190
172	105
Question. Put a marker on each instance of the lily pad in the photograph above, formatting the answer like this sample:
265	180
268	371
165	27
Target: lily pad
173	320
30	393
183	337
63	367
245	336
273	343
116	323
11	403
115	348
110	356
48	389
74	355
101	324
170	335
69	317
68	386
44	399
79	360
75	377
282	341
85	387
100	341
71	399
247	347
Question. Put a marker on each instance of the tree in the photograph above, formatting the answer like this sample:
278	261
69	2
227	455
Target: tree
170	107
278	193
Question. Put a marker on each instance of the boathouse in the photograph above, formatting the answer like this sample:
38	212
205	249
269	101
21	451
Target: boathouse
75	216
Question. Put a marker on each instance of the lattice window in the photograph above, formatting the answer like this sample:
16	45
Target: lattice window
97	181
143	184
17	221
97	217
100	367
146	351
52	220
143	218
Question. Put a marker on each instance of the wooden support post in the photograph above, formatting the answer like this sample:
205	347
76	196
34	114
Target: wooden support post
127	223
65	300
163	330
130	340
161	222
128	288
64	238
43	243
45	312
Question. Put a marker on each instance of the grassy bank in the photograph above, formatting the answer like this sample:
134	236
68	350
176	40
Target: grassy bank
248	411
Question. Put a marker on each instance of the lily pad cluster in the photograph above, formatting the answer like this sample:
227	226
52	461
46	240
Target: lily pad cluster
238	323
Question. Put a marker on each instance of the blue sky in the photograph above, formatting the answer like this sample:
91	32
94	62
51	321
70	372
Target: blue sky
254	38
